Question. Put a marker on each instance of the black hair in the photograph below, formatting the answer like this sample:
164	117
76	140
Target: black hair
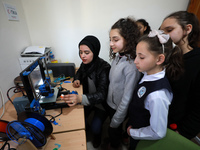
145	24
128	29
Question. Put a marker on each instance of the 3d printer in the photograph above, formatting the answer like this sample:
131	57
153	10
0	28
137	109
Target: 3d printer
40	93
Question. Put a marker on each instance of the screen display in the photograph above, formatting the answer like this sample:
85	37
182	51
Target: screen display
36	80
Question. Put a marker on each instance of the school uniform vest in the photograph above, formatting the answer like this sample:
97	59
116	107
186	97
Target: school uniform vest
138	115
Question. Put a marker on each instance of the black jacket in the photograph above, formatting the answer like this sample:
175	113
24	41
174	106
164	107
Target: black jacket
100	76
185	106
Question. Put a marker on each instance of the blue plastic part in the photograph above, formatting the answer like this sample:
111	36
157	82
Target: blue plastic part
59	79
37	137
34	66
20	129
26	73
42	112
32	103
58	145
55	123
42	57
48	79
44	91
36	123
36	105
25	130
74	92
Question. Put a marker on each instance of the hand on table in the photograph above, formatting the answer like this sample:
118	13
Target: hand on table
76	83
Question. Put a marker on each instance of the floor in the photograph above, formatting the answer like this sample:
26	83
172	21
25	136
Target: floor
105	135
90	147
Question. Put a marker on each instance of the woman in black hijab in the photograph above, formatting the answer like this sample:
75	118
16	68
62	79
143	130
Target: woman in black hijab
93	74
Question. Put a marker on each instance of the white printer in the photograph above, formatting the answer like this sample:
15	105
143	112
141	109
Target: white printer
31	53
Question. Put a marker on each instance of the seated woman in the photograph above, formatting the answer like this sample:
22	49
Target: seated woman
93	75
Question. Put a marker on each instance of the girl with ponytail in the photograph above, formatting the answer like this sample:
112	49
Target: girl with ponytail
158	60
184	30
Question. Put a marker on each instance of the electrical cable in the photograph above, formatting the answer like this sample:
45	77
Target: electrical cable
8	146
17	89
54	117
4	145
3	105
61	88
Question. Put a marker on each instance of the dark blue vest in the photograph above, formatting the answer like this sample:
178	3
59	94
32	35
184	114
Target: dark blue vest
138	115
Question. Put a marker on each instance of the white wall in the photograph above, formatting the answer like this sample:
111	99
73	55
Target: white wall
61	24
14	37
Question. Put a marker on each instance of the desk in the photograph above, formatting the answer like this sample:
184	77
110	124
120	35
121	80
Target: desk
69	140
74	140
70	131
72	118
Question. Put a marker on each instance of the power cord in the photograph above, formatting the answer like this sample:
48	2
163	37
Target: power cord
54	117
17	89
8	146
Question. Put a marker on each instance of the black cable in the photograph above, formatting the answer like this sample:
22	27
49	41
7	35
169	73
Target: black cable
8	94
8	144
17	89
4	145
54	117
62	87
20	89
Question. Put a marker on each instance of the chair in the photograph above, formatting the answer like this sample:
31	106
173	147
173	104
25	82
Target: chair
172	141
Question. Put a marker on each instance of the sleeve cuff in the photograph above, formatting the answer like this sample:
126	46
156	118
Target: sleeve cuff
85	100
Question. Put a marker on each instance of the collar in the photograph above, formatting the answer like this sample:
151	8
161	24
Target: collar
121	54
152	77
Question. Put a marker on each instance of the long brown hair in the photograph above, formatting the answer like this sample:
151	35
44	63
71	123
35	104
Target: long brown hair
128	29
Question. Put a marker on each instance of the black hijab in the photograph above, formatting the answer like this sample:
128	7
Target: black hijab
87	69
93	43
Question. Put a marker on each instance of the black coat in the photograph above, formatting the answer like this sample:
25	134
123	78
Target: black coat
185	106
99	73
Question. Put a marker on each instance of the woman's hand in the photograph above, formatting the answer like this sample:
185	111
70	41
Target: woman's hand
76	83
128	130
72	99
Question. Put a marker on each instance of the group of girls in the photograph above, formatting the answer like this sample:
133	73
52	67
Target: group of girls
154	80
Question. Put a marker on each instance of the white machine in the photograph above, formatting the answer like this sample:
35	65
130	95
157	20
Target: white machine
31	53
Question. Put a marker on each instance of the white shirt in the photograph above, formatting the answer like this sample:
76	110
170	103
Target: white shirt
157	103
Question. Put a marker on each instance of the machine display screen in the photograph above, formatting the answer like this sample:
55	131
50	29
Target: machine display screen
36	80
32	77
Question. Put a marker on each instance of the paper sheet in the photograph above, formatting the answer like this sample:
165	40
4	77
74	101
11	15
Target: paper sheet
35	50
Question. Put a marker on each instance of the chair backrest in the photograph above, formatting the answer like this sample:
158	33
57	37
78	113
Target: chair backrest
68	69
172	141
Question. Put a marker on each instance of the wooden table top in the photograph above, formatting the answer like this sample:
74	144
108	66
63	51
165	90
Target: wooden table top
70	128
